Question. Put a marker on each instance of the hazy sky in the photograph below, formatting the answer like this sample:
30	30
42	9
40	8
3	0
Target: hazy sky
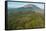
20	4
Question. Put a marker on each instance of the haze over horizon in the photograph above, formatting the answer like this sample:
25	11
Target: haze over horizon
20	4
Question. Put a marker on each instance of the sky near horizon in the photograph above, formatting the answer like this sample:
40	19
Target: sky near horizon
20	4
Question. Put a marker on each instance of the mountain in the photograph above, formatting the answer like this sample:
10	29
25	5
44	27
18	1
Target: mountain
26	8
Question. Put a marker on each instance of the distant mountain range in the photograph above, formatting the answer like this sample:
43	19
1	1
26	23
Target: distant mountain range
26	8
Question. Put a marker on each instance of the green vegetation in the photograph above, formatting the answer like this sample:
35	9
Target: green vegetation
25	21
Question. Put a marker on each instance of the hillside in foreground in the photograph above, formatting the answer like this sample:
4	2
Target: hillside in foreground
25	20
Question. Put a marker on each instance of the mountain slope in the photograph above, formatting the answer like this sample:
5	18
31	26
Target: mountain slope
26	8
